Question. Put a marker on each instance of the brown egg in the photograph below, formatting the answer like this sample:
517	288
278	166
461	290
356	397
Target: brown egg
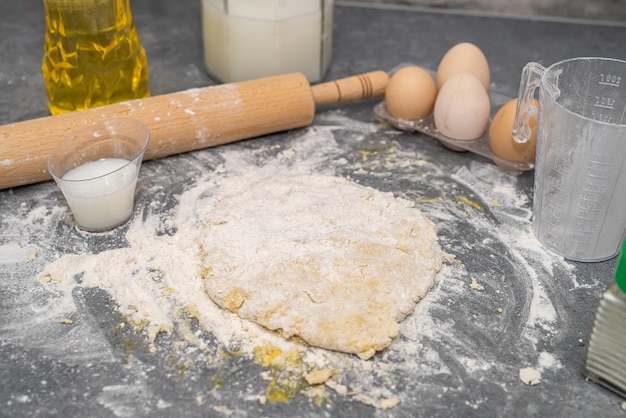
464	57
501	139
410	93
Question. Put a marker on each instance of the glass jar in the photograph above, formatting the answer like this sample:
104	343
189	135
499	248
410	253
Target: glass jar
248	39
92	55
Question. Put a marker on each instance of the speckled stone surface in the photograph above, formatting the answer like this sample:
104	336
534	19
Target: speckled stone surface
104	373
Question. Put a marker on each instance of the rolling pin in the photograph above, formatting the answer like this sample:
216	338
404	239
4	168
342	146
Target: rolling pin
187	120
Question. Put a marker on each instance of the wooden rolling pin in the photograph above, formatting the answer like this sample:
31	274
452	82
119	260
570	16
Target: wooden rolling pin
187	120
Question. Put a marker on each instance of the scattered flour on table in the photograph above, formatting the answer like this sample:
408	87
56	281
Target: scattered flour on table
151	278
531	262
156	281
14	253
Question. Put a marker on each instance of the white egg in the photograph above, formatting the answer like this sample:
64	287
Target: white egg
462	108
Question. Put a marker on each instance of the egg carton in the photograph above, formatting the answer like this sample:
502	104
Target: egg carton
478	146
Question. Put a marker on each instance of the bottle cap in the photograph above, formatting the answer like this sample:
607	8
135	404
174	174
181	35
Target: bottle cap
620	270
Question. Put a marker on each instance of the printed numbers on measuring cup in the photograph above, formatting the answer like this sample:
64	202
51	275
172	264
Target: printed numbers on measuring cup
610	80
598	170
595	187
603	104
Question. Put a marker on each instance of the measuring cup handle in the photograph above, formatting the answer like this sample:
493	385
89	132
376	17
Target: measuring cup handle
526	107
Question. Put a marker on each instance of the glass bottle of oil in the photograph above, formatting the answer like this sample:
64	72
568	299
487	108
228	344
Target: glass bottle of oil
92	55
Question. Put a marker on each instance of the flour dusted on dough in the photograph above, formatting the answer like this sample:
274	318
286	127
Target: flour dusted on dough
321	258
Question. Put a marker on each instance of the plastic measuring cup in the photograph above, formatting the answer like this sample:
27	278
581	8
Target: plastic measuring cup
579	206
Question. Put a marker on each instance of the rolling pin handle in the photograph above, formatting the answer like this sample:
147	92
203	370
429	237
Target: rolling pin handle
358	87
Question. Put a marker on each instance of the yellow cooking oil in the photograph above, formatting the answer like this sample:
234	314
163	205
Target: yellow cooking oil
92	55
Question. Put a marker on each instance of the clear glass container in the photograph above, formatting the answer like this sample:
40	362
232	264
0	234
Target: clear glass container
92	55
248	39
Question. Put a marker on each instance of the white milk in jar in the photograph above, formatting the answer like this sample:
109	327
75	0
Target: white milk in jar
248	39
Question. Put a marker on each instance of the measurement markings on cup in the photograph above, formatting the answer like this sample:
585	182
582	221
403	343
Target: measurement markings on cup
604	102
591	204
612	80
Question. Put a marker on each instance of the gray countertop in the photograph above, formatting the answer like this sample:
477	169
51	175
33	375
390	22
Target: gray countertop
534	310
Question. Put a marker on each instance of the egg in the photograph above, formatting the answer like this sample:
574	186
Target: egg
410	93
462	108
464	57
501	140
